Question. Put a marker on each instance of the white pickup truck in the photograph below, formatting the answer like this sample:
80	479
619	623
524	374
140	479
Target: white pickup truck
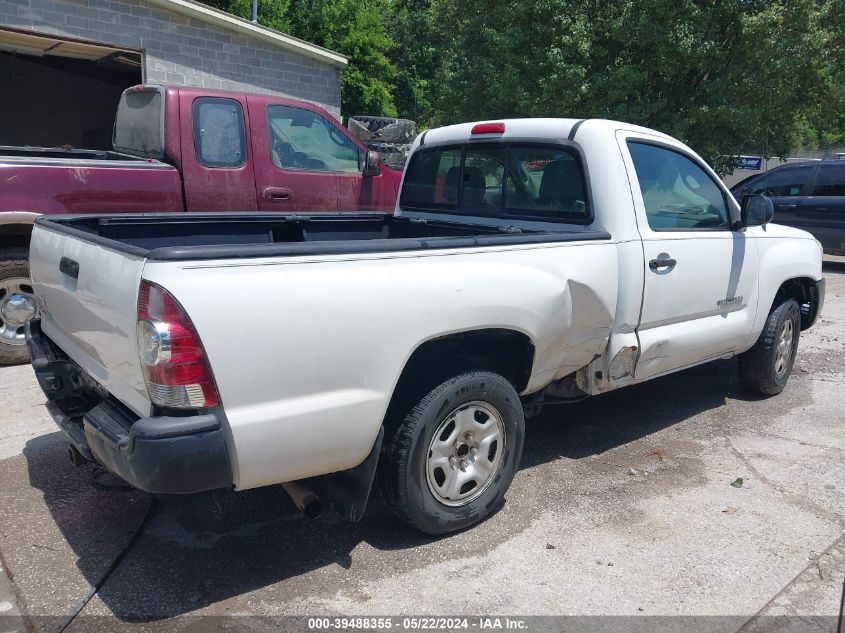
527	261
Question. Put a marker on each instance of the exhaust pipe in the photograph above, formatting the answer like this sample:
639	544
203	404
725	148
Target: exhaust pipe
76	458
304	498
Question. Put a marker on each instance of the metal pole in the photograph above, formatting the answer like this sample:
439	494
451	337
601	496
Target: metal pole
255	11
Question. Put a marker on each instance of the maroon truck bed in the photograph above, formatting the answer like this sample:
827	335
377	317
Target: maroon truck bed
50	180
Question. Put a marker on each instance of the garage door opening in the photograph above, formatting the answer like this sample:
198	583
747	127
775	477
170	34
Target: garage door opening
65	91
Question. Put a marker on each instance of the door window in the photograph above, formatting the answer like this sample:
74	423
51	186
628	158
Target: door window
830	181
677	193
219	138
304	140
783	183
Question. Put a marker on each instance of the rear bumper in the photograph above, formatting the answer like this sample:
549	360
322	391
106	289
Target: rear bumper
164	455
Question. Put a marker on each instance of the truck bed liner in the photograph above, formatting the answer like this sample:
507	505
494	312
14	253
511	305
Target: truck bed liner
193	236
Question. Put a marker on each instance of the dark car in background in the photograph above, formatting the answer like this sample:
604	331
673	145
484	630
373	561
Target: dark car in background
808	196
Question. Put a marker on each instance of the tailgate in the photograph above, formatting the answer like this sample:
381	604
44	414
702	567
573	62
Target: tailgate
88	296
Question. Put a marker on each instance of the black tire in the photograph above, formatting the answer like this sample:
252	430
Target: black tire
375	123
13	263
386	148
758	367
404	458
394	156
400	132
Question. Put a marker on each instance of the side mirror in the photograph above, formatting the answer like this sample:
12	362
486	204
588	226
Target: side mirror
372	164
756	210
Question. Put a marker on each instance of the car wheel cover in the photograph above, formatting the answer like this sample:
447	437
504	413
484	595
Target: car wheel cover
783	351
465	453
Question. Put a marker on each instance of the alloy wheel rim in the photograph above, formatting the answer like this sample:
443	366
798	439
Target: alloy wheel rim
465	453
17	306
784	348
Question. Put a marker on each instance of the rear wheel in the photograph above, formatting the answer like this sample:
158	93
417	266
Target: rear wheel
17	305
455	453
766	367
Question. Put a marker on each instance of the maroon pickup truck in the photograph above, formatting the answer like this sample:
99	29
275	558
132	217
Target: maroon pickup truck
183	149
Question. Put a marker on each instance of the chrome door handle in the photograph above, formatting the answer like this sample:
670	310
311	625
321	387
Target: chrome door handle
655	264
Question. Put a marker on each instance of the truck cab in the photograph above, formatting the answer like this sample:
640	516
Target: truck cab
249	152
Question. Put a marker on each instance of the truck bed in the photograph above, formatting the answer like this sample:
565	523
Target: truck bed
299	340
192	236
56	181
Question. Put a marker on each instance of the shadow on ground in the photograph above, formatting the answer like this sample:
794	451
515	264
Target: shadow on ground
196	551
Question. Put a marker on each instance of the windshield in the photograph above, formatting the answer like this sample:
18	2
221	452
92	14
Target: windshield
515	180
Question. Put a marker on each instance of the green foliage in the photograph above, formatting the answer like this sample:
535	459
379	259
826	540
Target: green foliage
722	76
410	23
355	28
726	76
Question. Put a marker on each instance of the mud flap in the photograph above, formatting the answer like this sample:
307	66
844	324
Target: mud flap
347	491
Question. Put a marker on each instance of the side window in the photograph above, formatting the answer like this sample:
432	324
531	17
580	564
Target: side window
830	181
677	193
784	182
219	137
303	140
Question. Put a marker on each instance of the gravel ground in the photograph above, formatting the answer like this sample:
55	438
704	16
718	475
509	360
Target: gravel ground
623	507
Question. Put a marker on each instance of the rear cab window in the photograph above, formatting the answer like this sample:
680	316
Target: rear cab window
529	181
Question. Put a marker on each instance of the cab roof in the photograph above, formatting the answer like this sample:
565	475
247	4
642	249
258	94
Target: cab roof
540	128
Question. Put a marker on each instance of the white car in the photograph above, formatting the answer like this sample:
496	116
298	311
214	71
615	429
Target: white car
526	261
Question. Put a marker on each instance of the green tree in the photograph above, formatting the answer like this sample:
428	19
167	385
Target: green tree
822	126
410	24
355	28
723	75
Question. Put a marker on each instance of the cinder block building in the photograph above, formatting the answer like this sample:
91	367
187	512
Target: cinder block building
64	63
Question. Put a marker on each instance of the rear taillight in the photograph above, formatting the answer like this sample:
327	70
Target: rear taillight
175	367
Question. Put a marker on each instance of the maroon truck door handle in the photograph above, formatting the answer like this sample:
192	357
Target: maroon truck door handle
277	193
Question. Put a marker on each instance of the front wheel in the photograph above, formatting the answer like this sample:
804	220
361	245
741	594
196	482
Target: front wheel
765	368
455	453
17	305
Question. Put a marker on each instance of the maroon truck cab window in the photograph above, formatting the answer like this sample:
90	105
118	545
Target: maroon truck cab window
219	137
